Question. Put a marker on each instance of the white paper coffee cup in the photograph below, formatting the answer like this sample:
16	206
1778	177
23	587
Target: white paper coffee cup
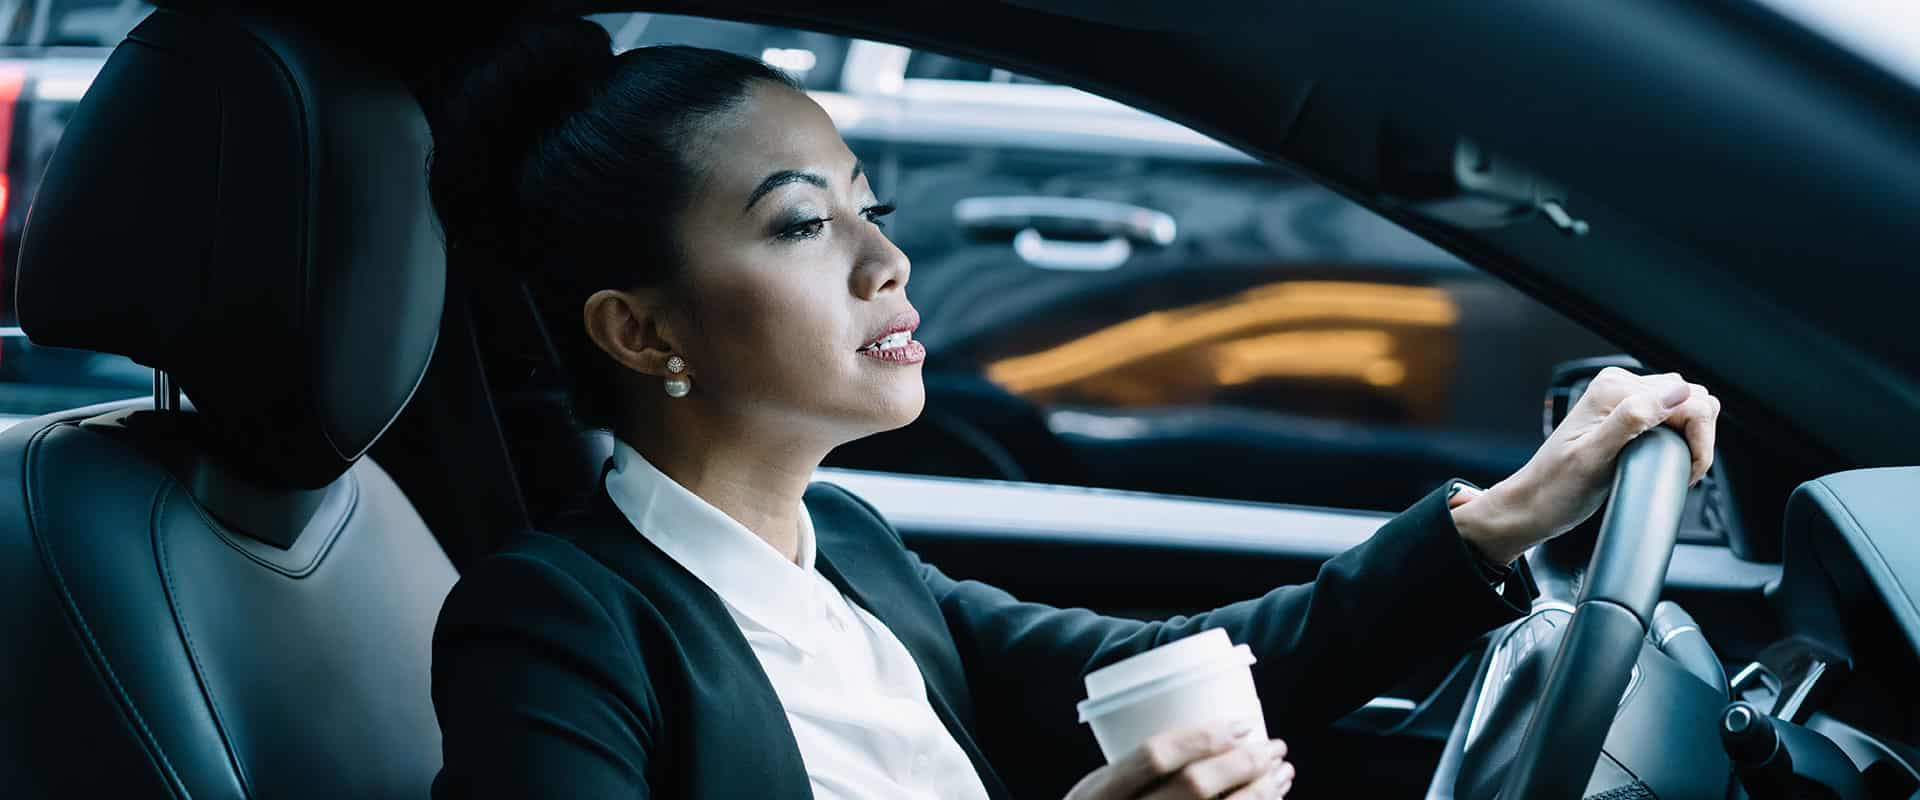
1201	679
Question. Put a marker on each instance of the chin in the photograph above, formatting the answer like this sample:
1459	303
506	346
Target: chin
902	409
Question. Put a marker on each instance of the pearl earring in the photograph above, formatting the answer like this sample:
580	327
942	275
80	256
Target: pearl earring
679	385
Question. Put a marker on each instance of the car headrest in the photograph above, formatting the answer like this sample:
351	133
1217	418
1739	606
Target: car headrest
244	206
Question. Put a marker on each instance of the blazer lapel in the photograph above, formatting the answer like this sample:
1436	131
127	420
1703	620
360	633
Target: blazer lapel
888	590
737	741
739	707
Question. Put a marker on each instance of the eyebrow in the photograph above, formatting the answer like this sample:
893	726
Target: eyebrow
786	176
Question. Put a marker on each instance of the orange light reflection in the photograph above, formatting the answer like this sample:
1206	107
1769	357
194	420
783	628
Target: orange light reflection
1356	354
1236	340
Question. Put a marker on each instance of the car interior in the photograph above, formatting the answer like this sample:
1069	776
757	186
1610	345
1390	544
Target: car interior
248	642
231	590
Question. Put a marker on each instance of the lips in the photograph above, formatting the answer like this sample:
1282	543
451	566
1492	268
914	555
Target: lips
910	353
897	332
893	343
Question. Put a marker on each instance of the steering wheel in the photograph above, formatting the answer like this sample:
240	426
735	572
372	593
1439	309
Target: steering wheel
1610	605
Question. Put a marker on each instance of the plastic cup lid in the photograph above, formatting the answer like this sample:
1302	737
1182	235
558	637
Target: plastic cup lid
1181	655
1238	659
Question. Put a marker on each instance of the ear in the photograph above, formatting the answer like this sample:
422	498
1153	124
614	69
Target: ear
630	325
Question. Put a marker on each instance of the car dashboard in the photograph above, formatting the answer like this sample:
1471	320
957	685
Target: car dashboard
1849	604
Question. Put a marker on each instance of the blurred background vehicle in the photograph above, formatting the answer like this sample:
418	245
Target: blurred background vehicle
49	54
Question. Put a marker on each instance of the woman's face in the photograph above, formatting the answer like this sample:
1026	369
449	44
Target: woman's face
790	279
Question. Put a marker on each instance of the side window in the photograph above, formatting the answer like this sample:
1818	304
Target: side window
1111	299
91	23
39	88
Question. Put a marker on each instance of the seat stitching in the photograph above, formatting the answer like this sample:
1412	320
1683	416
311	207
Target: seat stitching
95	657
186	637
346	515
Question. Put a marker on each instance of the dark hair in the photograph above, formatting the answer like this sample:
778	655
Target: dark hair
566	165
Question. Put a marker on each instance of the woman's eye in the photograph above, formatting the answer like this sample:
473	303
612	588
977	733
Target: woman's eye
805	230
874	213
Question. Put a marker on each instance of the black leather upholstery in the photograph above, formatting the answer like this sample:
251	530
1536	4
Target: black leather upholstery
225	602
240	195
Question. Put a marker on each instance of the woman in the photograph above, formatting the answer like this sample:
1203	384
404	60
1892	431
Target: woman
711	264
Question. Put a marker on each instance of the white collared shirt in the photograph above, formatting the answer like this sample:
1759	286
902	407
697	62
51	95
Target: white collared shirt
853	694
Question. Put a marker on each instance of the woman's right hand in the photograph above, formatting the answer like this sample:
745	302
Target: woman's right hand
1200	763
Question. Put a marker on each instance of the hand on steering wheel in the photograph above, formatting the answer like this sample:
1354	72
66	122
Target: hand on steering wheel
1567	478
1614	430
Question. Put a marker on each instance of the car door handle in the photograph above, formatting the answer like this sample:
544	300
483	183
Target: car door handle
1037	250
1040	221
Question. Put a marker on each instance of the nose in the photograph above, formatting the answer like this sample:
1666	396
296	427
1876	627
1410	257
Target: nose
881	267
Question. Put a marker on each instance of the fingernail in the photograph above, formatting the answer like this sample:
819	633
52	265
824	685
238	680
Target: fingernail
1676	395
1241	728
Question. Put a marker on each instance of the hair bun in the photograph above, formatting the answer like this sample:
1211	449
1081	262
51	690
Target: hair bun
491	110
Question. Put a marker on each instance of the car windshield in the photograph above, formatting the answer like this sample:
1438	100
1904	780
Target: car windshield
1885	32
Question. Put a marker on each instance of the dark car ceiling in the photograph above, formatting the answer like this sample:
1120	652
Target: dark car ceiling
1752	191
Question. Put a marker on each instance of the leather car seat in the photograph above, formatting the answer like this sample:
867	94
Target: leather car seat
225	599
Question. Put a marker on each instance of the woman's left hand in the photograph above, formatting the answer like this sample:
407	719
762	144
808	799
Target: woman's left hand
1568	477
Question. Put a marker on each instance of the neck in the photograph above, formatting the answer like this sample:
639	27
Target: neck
756	479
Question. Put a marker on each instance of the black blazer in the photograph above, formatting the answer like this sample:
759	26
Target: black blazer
583	662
